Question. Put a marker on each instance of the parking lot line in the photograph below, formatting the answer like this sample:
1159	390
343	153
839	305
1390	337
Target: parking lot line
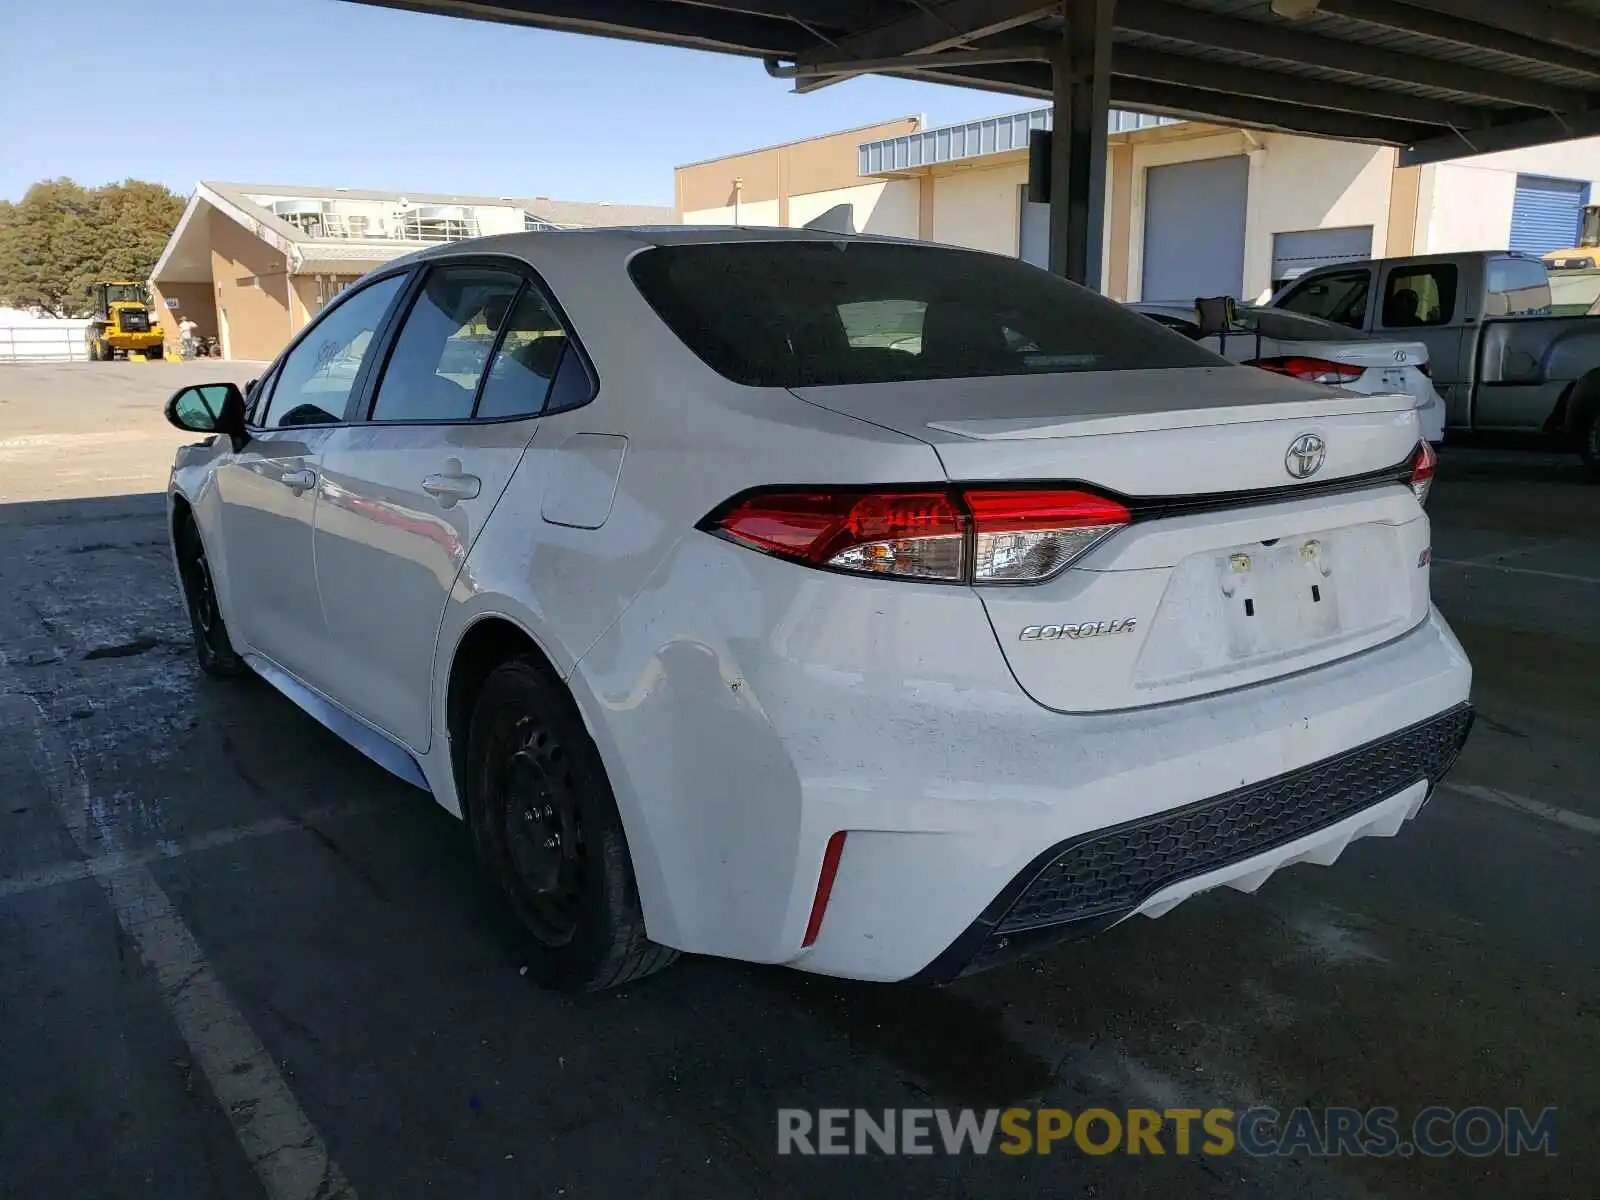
281	1145
123	860
1549	812
1471	565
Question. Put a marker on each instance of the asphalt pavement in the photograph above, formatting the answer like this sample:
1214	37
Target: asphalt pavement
237	959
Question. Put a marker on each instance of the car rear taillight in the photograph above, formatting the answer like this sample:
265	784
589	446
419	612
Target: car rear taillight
1312	370
1026	536
1424	464
916	535
1426	369
955	535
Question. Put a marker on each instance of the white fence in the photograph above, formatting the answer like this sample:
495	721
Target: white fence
42	343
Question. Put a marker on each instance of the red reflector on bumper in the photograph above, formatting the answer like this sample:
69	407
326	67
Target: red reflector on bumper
830	868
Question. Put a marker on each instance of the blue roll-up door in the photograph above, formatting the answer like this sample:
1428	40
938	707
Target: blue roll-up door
1548	213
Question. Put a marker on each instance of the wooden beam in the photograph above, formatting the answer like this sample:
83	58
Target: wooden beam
1290	45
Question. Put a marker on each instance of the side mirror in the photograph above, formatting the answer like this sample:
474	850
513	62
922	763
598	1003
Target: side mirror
210	408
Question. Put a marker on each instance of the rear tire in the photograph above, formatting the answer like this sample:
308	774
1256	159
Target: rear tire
212	646
545	823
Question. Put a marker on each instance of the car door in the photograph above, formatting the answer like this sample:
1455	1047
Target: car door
268	491
407	488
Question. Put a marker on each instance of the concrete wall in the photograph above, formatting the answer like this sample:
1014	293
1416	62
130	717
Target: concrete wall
977	206
1302	183
302	300
251	284
765	181
748	212
195	300
889	207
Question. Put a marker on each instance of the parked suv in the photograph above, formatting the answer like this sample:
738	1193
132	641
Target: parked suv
732	623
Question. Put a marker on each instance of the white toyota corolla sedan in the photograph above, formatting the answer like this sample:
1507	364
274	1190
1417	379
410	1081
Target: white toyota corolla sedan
875	608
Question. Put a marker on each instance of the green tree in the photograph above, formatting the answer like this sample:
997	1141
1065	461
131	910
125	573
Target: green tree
61	237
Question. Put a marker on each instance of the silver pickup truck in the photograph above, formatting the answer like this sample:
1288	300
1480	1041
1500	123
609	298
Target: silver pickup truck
1498	357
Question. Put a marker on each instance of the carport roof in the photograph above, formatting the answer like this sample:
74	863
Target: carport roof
1439	78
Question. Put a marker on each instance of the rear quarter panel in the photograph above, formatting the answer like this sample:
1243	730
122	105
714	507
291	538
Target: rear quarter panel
693	440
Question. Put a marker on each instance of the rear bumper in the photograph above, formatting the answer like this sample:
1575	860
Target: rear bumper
747	710
1238	839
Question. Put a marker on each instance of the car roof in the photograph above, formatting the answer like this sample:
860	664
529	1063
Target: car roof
616	236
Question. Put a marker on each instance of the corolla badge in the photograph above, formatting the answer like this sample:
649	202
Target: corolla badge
1305	456
1078	630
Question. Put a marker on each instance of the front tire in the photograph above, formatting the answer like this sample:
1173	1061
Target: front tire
545	823
1589	443
212	646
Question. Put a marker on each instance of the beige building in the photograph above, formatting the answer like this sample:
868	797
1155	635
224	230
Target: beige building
1191	209
253	263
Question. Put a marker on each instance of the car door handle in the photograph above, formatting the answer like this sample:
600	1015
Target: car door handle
299	480
448	489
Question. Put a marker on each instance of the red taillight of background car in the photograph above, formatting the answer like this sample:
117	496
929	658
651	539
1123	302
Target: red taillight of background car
1312	370
1424	465
978	535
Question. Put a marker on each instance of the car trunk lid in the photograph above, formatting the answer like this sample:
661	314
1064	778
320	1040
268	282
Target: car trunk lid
1233	570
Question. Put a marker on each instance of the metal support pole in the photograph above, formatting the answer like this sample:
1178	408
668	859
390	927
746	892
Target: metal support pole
1081	77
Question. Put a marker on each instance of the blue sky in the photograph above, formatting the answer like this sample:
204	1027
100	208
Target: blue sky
319	92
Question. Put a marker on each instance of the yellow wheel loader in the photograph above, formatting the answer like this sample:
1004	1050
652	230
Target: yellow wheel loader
1585	256
120	322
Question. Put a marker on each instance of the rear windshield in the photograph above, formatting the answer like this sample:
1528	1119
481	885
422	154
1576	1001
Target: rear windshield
808	314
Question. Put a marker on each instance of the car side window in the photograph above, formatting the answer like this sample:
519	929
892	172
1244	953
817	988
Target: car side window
445	344
256	398
1420	296
314	383
1340	297
1517	287
531	352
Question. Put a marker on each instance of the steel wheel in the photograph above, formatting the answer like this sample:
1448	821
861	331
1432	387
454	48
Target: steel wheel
543	834
545	823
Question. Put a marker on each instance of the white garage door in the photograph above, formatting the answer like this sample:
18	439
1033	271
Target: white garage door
1293	254
1034	222
1194	229
1547	214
